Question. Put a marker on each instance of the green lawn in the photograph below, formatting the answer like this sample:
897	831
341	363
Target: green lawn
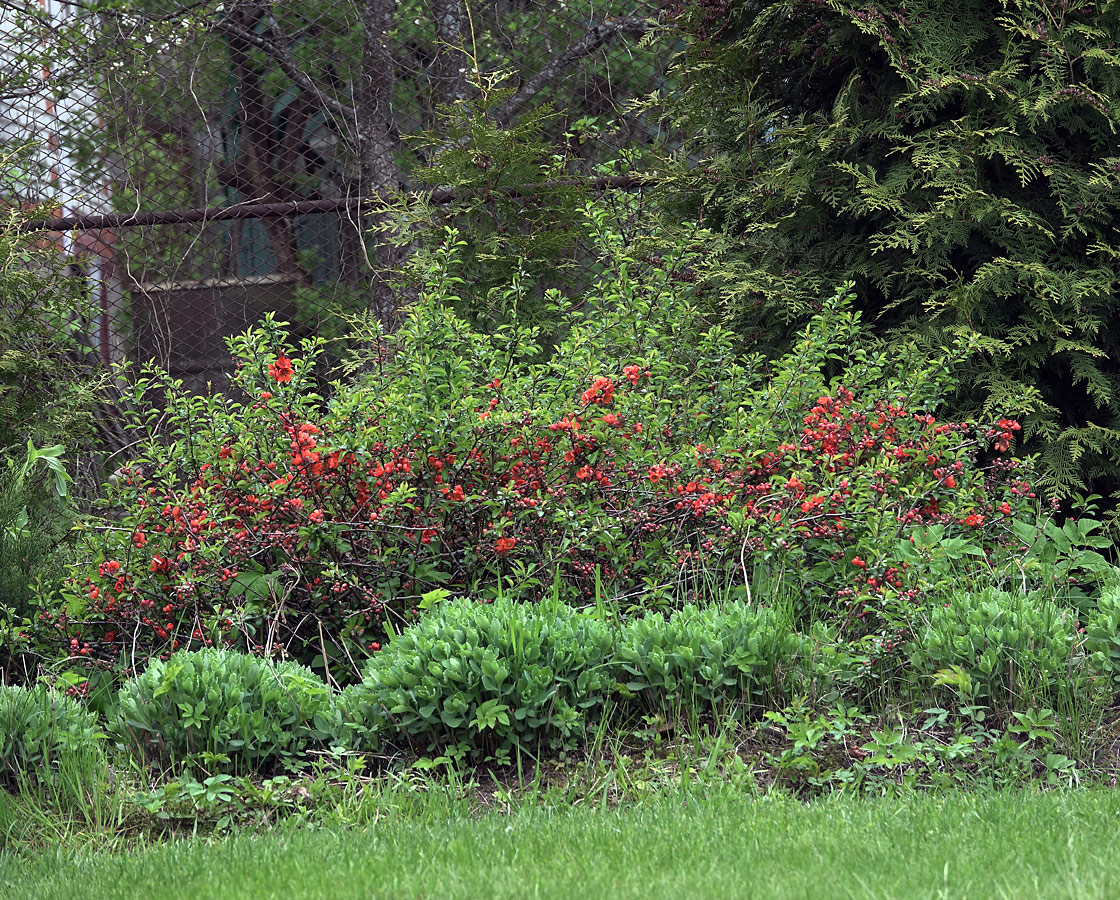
717	844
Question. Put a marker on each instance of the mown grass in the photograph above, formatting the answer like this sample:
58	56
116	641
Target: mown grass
709	844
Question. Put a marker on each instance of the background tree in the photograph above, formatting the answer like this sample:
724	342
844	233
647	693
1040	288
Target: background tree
269	101
959	160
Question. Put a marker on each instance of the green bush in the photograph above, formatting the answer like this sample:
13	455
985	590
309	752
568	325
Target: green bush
957	159
44	732
1102	634
999	646
246	711
828	669
643	458
735	653
478	680
47	395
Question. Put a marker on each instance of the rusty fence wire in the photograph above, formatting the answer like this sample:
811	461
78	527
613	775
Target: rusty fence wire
206	162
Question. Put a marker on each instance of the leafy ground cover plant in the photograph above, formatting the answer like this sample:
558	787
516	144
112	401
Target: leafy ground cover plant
477	680
706	657
643	458
1001	647
844	749
225	709
1102	635
42	732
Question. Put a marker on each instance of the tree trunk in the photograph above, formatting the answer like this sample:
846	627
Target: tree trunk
257	144
377	168
451	19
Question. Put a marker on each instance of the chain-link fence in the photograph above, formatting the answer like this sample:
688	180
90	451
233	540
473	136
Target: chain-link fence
209	161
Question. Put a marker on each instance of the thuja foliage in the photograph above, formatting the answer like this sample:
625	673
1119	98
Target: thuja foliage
509	190
957	159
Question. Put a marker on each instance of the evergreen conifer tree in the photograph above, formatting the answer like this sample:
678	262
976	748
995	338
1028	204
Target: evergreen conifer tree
959	160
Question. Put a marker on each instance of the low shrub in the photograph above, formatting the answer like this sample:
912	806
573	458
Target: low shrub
1006	648
480	680
235	711
642	457
735	653
43	733
828	669
1102	635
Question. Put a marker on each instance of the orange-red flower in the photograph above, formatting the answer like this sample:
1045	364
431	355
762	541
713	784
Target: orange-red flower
281	370
601	391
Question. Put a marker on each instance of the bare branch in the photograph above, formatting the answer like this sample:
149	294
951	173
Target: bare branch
283	58
302	207
598	35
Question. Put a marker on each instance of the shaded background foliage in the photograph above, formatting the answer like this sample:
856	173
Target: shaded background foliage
957	160
154	119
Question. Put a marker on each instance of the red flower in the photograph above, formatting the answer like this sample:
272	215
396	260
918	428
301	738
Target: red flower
601	391
505	544
584	473
811	504
281	370
565	424
633	373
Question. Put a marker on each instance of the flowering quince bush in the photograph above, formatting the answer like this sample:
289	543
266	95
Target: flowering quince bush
641	458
